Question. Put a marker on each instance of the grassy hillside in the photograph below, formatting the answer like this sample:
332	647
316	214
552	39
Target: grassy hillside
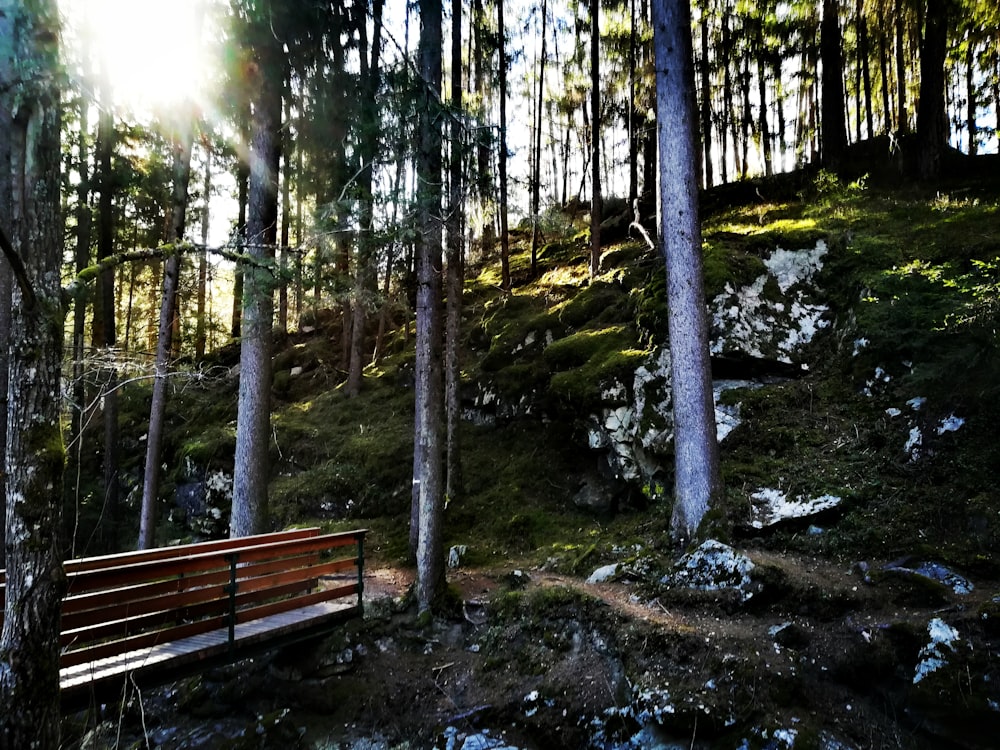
911	276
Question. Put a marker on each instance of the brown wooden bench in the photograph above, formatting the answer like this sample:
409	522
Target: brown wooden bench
162	612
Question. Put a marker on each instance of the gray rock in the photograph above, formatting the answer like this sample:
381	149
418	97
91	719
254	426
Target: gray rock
604	573
714	566
594	497
934	572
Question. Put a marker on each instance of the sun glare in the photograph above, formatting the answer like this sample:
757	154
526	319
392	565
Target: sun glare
156	51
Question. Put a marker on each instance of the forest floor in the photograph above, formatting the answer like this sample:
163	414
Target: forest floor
837	648
533	659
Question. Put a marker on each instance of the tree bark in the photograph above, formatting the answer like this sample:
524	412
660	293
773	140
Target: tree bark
883	63
484	183
633	115
595	137
864	51
902	120
697	480
428	464
183	143
29	645
504	239
242	198
286	213
201	321
456	266
536	146
7	65
83	229
249	511
932	123
706	99
364	278
299	238
765	128
834	121
746	120
105	333
727	92
970	95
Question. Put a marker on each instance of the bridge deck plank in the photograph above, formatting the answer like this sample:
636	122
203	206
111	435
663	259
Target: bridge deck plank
200	647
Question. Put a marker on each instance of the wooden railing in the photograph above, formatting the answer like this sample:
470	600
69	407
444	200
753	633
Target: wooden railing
170	606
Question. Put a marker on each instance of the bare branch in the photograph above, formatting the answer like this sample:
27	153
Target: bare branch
75	288
20	272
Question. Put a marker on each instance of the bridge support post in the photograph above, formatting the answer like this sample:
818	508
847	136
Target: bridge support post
232	557
361	571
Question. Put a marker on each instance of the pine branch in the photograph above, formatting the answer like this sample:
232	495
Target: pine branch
75	288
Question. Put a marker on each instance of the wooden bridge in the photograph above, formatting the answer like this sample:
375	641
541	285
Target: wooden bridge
154	615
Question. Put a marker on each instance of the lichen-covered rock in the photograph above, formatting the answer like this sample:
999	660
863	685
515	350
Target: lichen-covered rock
769	507
714	566
931	571
202	502
777	314
934	655
955	690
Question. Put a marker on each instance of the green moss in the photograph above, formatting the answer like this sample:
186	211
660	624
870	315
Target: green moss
581	347
725	262
602	302
210	445
587	360
518	379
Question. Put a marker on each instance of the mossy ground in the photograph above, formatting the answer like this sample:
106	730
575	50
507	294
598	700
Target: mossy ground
916	275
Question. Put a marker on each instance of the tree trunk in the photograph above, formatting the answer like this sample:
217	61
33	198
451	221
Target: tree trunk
286	214
536	146
765	128
299	238
456	267
6	222
932	123
864	52
902	120
595	138
83	229
484	182
105	333
364	279
970	95
504	239
779	110
152	330
883	64
812	131
697	480
727	93
633	115
183	143
29	645
706	99
249	513
857	88
834	124
428	464
996	99
201	323
746	120
243	189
